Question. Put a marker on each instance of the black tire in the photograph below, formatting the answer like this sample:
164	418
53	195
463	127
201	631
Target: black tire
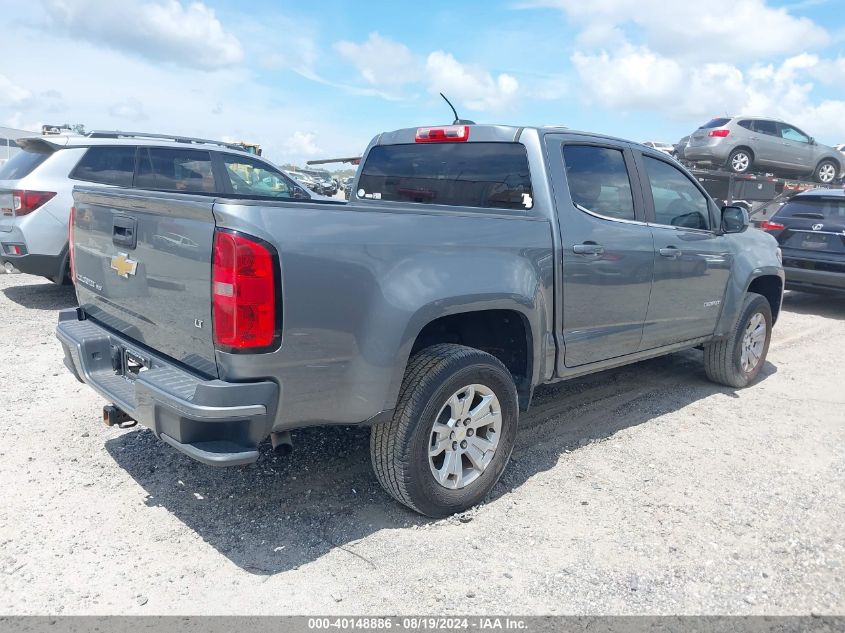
736	153
817	174
722	358
399	448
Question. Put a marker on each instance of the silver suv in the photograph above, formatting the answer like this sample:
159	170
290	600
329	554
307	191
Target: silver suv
36	185
743	143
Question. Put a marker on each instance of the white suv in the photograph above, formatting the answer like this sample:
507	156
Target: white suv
36	185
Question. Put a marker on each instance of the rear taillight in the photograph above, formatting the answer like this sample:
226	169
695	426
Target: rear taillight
24	202
719	133
443	134
70	222
243	289
768	225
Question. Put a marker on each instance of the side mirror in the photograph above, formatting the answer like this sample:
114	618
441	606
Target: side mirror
734	219
812	141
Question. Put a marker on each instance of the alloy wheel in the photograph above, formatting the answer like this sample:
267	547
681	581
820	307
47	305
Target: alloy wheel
753	341
465	436
740	162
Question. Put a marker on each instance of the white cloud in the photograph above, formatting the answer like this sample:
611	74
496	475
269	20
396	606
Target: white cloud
830	71
302	144
472	86
720	30
381	61
12	94
129	109
161	30
638	79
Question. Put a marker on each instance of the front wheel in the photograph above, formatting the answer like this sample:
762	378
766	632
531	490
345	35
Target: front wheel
825	172
737	360
452	432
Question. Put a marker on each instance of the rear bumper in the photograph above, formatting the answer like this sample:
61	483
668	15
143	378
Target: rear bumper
814	280
714	153
50	266
215	422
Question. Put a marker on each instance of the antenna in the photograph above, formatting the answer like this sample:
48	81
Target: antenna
458	120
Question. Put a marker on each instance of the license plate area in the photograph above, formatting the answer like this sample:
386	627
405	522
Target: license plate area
6	205
815	242
128	363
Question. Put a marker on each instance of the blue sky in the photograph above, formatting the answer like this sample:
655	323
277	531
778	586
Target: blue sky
310	82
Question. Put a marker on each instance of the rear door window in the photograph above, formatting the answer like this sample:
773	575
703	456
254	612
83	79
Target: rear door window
107	166
22	165
484	175
770	128
185	170
598	181
677	201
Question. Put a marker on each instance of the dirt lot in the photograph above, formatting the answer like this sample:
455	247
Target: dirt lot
641	490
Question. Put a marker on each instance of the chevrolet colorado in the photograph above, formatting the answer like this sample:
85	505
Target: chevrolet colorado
471	264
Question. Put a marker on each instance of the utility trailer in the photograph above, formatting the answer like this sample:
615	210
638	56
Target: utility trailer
762	194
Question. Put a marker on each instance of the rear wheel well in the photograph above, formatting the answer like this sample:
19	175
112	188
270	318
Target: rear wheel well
744	148
771	287
504	334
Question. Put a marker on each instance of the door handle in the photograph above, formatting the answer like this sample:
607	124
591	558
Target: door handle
124	231
588	248
671	252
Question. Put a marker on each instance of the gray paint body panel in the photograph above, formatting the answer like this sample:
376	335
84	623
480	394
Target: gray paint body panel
357	292
360	281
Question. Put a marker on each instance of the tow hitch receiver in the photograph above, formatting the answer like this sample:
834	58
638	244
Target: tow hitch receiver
112	416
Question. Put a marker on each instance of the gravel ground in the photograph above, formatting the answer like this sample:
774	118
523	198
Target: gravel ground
640	490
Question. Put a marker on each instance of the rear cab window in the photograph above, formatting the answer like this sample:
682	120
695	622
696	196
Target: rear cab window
23	164
113	165
480	174
183	170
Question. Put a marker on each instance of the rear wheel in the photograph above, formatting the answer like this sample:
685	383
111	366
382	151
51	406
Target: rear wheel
452	432
737	360
740	161
826	172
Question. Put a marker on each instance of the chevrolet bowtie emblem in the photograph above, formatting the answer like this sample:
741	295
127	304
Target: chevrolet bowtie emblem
123	265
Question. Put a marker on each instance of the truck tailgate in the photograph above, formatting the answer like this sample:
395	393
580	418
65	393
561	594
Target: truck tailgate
142	266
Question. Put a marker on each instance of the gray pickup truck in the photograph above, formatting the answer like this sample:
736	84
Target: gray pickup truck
471	264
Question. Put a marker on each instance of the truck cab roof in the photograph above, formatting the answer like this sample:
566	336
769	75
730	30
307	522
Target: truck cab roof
489	133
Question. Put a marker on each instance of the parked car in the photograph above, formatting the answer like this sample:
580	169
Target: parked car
745	143
305	180
429	307
810	229
324	182
666	148
680	147
36	184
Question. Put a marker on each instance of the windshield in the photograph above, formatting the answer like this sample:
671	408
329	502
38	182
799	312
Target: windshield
22	164
458	174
